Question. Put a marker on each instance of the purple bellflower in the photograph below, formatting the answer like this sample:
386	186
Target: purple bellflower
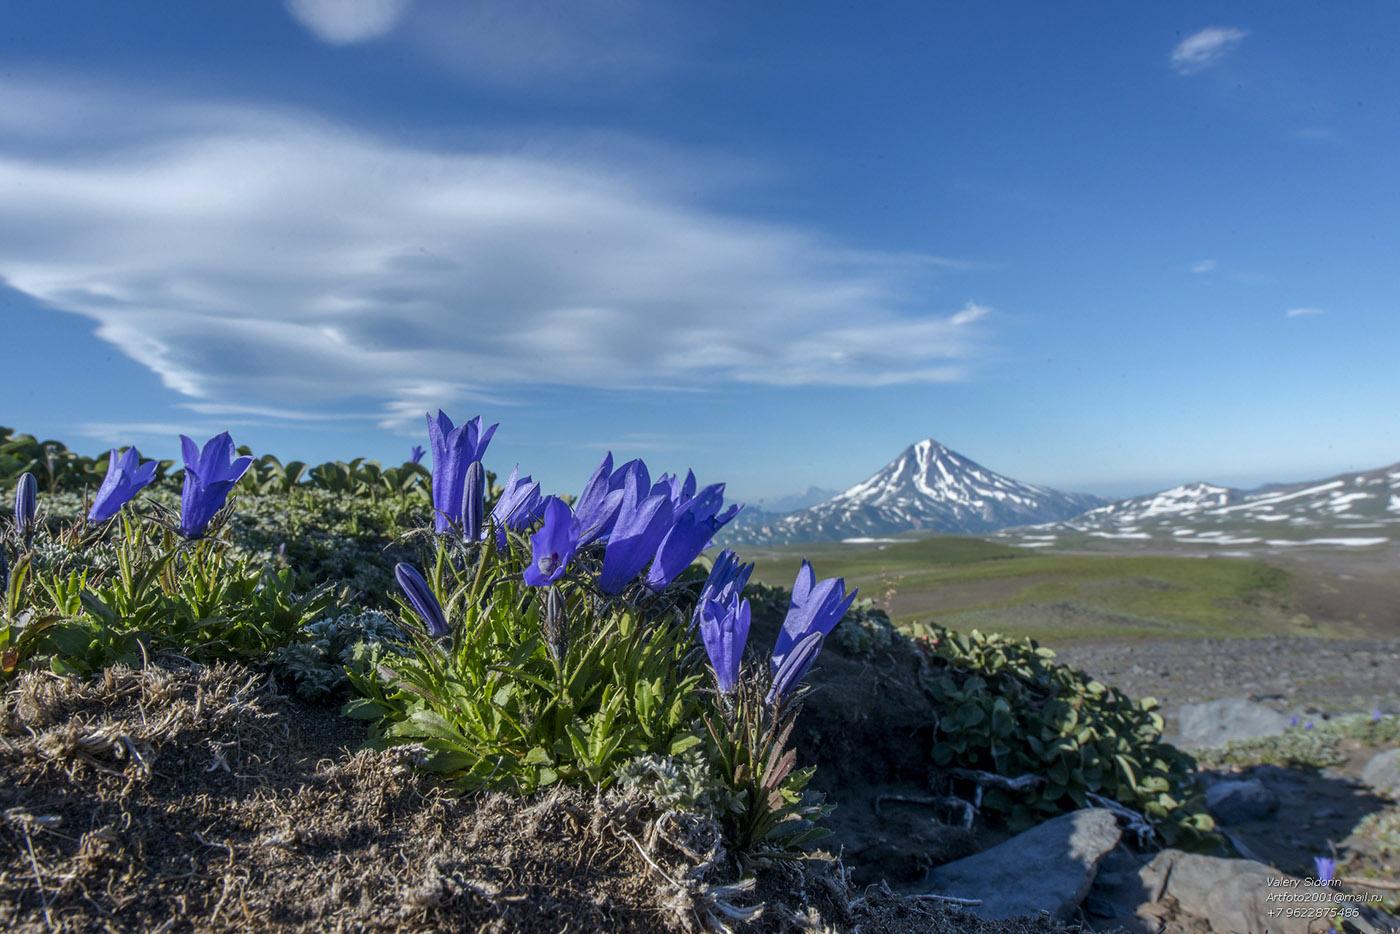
453	450
26	502
553	545
209	475
1326	869
814	608
724	628
642	521
415	454
474	501
794	667
519	505
123	481
694	525
420	597
597	508
727	578
1376	716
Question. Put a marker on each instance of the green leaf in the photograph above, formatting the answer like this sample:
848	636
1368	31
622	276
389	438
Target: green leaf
683	742
365	708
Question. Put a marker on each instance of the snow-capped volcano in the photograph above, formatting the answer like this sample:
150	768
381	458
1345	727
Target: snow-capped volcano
929	487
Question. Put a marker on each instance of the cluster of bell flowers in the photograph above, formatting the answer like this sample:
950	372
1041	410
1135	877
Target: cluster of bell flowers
723	617
210	474
659	528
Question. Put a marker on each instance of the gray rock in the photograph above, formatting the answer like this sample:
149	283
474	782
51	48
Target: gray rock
1048	868
1382	773
1200	726
1235	894
1238	801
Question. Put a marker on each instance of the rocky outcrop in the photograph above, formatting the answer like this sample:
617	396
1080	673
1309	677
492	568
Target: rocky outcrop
1050	867
1200	726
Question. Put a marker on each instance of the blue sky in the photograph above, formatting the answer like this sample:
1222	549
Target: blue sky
1104	247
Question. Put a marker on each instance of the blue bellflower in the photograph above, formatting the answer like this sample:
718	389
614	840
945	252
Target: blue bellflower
421	598
553	545
727	579
724	628
26	502
415	454
123	481
814	608
642	521
209	475
794	666
596	509
453	449
695	524
519	505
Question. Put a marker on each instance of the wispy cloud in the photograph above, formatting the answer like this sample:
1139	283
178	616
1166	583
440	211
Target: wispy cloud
249	256
971	312
1302	312
1201	50
345	22
556	46
1205	265
124	433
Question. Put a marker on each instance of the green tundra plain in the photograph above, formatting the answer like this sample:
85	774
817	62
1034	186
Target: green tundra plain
965	583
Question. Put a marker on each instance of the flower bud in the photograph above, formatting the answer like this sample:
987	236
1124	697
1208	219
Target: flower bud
474	501
26	501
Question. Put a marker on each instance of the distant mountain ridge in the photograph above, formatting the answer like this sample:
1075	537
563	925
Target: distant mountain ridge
1359	506
927	487
795	501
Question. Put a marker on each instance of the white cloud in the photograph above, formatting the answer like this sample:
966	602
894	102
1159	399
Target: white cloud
258	258
1302	312
1205	265
970	313
1201	50
345	22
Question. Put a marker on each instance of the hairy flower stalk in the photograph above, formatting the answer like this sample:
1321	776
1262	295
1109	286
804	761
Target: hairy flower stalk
453	449
26	503
553	545
421	598
555	627
724	628
209	476
125	478
814	608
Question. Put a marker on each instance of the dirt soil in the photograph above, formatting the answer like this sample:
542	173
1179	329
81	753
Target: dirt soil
188	798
